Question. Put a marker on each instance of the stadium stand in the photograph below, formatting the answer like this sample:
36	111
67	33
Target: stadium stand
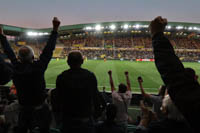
57	52
115	44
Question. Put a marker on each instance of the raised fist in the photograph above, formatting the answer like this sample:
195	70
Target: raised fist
157	25
110	72
126	72
56	23
140	79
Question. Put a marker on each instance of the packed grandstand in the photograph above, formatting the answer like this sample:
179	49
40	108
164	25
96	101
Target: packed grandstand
113	40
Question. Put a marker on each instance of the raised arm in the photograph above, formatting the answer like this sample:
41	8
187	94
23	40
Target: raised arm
111	81
147	117
144	94
184	91
6	46
47	52
128	81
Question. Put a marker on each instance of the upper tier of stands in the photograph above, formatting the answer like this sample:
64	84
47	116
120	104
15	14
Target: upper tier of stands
128	42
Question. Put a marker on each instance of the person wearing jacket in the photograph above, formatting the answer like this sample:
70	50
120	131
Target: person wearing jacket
28	77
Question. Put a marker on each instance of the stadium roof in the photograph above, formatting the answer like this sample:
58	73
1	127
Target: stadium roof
13	30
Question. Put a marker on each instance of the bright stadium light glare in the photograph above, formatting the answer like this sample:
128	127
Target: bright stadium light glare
32	33
137	26
29	33
145	26
125	26
179	27
112	27
195	28
35	34
169	27
40	34
88	28
98	27
46	33
190	28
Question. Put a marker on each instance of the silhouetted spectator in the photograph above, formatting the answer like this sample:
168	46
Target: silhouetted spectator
109	125
78	94
29	80
11	112
156	100
56	107
107	99
190	73
4	127
183	90
174	121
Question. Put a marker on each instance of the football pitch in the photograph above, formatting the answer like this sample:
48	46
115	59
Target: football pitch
147	70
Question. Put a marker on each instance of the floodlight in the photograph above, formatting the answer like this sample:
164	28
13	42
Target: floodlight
35	34
190	28
112	27
137	26
145	26
88	28
125	26
195	28
32	33
98	27
40	34
29	33
46	33
169	27
179	27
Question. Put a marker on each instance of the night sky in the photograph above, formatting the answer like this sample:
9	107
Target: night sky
38	13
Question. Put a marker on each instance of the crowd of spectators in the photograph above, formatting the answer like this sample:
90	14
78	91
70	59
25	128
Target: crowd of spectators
97	42
77	104
125	42
121	53
121	47
124	47
186	43
141	41
131	54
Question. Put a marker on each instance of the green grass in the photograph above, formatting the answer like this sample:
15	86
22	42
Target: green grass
147	70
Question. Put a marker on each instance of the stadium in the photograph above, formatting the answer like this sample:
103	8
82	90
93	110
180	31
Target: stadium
123	47
116	46
107	66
